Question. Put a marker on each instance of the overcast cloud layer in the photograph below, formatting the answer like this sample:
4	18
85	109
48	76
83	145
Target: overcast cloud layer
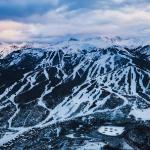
26	20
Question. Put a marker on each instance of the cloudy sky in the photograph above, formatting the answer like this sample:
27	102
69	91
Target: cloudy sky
25	20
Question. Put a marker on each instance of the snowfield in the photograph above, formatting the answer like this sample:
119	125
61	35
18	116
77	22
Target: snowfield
111	130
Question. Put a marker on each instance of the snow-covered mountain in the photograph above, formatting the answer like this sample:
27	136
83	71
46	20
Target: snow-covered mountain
95	41
72	94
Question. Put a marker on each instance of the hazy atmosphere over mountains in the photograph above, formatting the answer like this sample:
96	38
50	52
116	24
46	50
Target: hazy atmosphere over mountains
26	20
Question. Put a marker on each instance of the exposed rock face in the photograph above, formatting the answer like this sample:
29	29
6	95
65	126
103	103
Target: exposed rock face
57	98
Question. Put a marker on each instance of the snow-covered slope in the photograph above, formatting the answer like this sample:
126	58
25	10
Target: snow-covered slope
46	84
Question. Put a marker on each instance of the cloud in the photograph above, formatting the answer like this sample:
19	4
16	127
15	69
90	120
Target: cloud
128	20
17	9
114	17
118	1
14	31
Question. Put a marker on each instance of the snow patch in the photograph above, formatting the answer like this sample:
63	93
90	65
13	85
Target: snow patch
141	114
92	146
70	136
111	130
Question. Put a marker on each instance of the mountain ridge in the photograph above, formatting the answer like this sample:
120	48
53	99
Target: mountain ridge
59	83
